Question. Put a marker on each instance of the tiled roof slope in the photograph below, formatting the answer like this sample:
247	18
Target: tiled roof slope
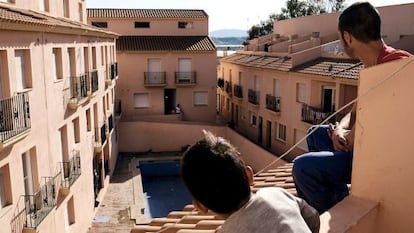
9	17
146	13
261	61
165	43
335	68
190	221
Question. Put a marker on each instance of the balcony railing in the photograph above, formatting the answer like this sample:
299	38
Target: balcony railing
39	205
71	170
185	77
273	103
254	97
79	88
238	91
118	107
155	78
114	70
228	87
14	116
314	115
94	81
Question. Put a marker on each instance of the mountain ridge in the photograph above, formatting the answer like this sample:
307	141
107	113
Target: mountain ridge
228	33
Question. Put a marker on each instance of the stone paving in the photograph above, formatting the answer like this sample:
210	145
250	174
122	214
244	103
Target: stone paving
114	212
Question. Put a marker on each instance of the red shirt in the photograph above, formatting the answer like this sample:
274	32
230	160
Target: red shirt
390	54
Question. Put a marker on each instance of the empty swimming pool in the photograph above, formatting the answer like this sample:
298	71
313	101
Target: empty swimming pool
163	187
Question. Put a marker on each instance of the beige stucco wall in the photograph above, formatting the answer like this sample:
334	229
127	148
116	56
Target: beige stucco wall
382	166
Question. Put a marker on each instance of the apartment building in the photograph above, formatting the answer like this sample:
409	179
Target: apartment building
165	58
57	91
282	83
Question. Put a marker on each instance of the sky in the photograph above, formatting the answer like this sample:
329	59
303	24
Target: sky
224	14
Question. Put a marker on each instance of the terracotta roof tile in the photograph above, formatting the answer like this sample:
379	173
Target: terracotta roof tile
262	61
189	220
10	15
165	43
335	68
146	13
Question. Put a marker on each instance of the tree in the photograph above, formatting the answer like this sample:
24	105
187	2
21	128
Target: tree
294	9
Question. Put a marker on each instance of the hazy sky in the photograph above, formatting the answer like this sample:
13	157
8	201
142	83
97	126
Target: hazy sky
224	14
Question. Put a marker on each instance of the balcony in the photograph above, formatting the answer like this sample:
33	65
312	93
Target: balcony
314	115
118	108
71	171
78	91
94	81
14	119
238	91
100	138
110	123
38	205
254	97
228	87
114	70
185	78
273	103
155	79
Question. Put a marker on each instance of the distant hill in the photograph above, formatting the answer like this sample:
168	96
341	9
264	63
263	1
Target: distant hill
228	40
228	33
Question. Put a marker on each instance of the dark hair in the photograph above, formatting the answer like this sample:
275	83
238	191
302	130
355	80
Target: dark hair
215	175
362	21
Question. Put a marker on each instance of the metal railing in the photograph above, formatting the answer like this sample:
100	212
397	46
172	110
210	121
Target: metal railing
228	87
71	170
39	205
14	116
238	91
79	87
254	96
185	77
153	78
94	81
314	115
273	103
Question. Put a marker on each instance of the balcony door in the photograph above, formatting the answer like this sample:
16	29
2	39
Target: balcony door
154	69
184	67
328	99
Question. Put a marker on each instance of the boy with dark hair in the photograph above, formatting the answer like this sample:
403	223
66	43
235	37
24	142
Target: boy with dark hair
219	181
321	176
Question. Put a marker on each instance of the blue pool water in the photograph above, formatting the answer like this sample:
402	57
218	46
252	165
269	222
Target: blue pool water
163	187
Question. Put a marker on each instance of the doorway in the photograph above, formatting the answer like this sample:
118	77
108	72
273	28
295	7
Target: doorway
268	134
169	101
328	99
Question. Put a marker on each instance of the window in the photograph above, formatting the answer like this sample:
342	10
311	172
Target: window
29	171
100	24
301	92
5	187
66	8
200	98
102	56
299	135
141	100
88	120
80	10
281	132
185	25
253	119
57	64
21	58
70	61
243	113
276	88
93	58
142	24
69	213
43	5
76	129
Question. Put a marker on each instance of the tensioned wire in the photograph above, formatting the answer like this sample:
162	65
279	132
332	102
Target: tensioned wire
317	126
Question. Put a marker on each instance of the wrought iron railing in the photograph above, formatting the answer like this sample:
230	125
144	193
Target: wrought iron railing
185	77
71	170
154	78
14	116
79	87
254	97
273	103
314	115
238	91
94	81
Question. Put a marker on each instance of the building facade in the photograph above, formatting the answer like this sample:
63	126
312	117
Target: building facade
165	58
57	100
283	83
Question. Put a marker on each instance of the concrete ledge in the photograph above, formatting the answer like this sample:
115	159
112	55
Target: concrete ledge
350	213
138	207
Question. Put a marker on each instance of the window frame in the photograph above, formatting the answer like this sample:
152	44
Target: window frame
278	132
142	24
205	98
147	105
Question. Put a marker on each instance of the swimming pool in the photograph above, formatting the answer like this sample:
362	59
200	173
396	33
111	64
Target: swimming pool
163	188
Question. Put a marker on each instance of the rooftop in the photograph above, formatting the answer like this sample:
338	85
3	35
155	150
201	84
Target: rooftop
146	13
163	43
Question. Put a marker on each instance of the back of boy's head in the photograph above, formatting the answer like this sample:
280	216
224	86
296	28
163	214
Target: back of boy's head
215	175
